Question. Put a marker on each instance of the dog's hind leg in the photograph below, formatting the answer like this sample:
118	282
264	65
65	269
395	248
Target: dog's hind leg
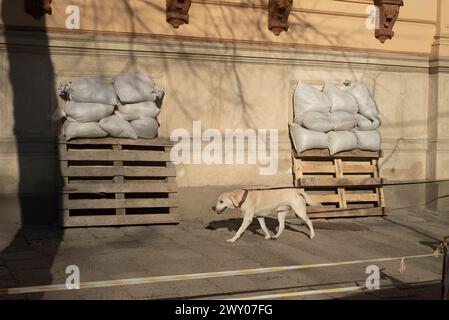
300	210
281	218
264	228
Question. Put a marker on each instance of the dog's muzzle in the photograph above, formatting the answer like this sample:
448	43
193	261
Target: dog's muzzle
214	208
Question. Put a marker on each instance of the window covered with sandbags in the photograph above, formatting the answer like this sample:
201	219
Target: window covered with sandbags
125	107
335	119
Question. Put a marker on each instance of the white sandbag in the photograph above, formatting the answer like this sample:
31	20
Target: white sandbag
87	112
74	130
343	121
304	139
316	121
365	124
93	89
368	140
146	128
340	99
308	98
136	111
117	127
134	88
367	105
340	141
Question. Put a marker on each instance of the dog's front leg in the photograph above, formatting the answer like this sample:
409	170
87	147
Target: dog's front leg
246	222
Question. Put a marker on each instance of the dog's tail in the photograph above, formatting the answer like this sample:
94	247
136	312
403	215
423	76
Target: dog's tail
309	200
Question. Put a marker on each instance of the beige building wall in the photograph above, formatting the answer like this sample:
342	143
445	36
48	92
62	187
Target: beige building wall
229	71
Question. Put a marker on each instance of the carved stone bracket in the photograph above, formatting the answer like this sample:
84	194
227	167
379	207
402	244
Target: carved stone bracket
177	12
38	8
388	15
278	12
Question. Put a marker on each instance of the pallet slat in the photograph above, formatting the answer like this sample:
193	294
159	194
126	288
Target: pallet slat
325	198
120	203
319	213
324	153
88	221
357	168
361	197
120	187
343	182
101	171
119	141
350	197
131	155
347	168
317	168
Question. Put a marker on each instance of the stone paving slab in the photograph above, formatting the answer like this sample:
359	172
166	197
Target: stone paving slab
77	234
113	293
39	233
61	295
16	244
7	281
106	232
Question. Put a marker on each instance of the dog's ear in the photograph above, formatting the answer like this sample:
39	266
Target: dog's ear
236	196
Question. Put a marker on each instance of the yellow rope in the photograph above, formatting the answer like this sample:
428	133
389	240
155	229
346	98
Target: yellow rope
198	276
302	293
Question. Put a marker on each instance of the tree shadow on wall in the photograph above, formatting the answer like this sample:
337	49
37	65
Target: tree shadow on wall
32	93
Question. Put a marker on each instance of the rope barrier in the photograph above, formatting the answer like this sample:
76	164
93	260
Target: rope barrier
303	293
206	275
385	183
328	291
410	182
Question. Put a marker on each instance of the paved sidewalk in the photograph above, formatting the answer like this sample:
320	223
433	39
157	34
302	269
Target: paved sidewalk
40	255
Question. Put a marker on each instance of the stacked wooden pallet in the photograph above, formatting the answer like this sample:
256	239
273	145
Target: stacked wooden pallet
112	181
347	184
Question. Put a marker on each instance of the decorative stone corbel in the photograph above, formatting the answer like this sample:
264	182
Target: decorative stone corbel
177	12
388	14
38	8
278	12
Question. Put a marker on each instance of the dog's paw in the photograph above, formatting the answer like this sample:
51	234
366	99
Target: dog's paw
230	241
267	237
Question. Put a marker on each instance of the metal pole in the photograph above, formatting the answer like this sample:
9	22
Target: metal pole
445	274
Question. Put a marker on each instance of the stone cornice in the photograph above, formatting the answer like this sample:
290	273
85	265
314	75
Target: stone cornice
168	47
302	10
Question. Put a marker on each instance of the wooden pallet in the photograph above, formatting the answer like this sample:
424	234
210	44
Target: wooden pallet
110	181
347	184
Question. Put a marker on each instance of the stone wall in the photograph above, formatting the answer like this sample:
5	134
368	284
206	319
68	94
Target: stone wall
228	71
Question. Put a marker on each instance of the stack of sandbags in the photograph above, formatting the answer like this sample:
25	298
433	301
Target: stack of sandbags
92	103
330	119
90	99
137	103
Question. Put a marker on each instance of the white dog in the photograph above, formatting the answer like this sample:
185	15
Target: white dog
262	203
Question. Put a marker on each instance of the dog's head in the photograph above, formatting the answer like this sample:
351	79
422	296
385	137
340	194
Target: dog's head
228	200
